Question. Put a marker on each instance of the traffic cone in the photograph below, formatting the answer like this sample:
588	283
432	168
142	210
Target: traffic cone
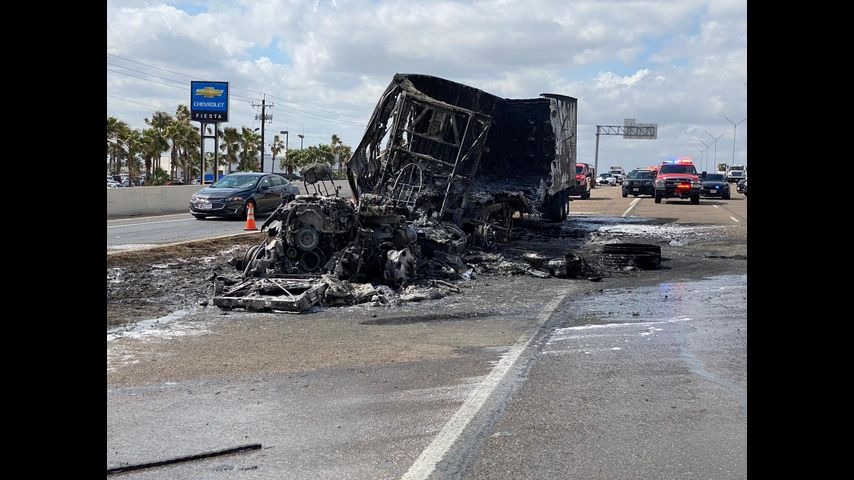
250	217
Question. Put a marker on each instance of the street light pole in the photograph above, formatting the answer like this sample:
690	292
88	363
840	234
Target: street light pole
734	125
701	153
716	147
301	136
707	154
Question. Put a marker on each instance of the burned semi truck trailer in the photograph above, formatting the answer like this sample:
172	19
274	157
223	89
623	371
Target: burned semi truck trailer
458	154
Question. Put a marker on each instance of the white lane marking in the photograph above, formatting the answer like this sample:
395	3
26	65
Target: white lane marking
149	217
715	206
145	223
596	326
433	454
631	206
734	219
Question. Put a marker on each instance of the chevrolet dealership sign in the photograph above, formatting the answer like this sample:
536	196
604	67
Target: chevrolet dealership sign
209	101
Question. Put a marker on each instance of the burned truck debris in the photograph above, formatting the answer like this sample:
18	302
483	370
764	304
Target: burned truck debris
476	158
442	168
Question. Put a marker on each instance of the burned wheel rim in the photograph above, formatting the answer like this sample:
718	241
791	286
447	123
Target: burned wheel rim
307	239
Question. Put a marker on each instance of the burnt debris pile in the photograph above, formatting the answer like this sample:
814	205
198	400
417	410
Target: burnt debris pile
443	176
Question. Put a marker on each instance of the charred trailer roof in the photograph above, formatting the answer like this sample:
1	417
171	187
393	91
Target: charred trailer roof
431	141
532	147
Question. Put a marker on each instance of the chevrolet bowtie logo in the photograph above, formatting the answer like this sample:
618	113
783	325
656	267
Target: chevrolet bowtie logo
208	92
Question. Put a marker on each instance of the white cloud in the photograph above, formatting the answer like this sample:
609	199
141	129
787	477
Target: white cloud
612	80
678	63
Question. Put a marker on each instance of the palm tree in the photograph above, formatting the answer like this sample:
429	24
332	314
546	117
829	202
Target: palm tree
336	145
340	151
153	144
115	129
299	158
133	142
190	149
249	141
321	154
287	162
230	145
184	139
276	147
160	121
173	134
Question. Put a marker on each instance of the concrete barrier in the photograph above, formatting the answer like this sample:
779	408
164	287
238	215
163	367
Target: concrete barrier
130	201
144	201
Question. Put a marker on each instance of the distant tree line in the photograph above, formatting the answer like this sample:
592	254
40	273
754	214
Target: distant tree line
140	150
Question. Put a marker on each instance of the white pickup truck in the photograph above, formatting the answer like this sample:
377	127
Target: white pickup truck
736	173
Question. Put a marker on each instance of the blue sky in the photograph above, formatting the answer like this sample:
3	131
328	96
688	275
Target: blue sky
681	64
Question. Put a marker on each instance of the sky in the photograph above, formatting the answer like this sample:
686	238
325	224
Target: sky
323	64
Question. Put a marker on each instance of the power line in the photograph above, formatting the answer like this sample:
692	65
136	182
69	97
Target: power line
178	73
185	84
332	112
182	82
134	101
152	66
315	107
143	78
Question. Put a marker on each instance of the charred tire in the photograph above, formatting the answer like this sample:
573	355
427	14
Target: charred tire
200	217
557	207
641	255
248	257
695	199
657	198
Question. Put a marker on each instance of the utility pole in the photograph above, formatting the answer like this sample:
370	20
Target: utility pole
264	118
734	125
285	133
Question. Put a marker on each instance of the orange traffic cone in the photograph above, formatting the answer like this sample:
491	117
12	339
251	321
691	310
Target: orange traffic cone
250	217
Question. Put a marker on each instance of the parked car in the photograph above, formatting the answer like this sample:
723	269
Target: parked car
739	187
606	179
744	190
639	182
715	185
231	195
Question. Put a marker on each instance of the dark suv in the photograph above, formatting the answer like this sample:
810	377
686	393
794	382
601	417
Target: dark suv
230	195
639	182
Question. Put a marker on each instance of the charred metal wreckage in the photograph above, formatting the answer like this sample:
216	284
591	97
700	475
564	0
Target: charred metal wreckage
441	167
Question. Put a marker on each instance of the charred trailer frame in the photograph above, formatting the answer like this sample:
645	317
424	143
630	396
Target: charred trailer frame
461	155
